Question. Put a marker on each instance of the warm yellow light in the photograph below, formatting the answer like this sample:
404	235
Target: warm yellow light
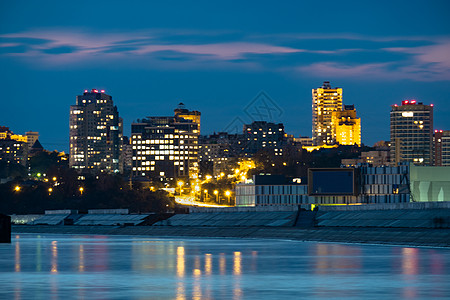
50	190
222	174
54	178
227	193
208	177
180	183
206	191
17	188
197	188
216	192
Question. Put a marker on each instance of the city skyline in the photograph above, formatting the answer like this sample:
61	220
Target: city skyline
217	60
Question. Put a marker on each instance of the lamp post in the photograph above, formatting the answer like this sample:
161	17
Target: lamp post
180	184
228	194
206	195
81	190
216	192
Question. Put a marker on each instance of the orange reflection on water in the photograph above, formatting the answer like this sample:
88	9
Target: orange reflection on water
17	255
81	258
410	261
208	264
222	264
237	263
181	292
237	271
180	261
332	258
197	288
54	257
410	266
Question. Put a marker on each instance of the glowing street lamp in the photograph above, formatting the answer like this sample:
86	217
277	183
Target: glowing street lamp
228	194
81	190
50	190
206	194
180	184
216	192
17	188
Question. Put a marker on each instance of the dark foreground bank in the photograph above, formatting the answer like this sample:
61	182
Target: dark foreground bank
423	237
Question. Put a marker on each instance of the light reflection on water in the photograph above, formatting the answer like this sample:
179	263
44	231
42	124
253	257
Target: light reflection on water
56	266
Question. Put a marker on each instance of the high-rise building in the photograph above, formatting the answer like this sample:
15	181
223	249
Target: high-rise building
95	133
347	126
166	147
32	137
264	135
412	133
325	101
441	140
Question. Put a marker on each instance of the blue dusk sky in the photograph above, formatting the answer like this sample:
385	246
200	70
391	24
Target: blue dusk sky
217	56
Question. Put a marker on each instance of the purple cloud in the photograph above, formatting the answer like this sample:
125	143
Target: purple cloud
163	49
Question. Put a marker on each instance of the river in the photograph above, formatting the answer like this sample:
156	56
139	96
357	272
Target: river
50	266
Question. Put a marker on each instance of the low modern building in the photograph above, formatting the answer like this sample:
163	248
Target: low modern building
267	190
335	186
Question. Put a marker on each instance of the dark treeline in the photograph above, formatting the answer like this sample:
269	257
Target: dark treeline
53	185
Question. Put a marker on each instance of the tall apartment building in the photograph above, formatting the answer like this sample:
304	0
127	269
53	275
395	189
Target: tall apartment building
347	126
166	147
325	101
95	133
412	133
441	140
264	135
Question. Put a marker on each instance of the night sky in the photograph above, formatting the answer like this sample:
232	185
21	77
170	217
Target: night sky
216	57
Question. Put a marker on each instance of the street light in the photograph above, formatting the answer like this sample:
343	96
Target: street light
216	192
50	190
228	194
17	188
206	194
180	184
81	190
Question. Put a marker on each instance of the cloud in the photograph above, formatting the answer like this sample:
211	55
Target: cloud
347	55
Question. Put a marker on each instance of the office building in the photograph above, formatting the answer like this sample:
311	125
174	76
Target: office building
95	133
12	151
325	101
441	140
166	148
32	137
261	135
412	133
347	126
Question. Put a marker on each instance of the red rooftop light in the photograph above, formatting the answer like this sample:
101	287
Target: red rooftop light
102	91
441	131
431	105
413	101
85	91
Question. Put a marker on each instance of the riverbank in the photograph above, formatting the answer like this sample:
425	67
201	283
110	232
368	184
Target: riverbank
416	237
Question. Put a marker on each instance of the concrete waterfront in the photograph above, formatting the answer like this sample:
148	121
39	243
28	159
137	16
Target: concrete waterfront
409	224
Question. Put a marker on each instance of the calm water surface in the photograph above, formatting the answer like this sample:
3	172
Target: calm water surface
111	267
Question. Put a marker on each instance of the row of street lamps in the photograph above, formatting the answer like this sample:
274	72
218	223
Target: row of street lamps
215	192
